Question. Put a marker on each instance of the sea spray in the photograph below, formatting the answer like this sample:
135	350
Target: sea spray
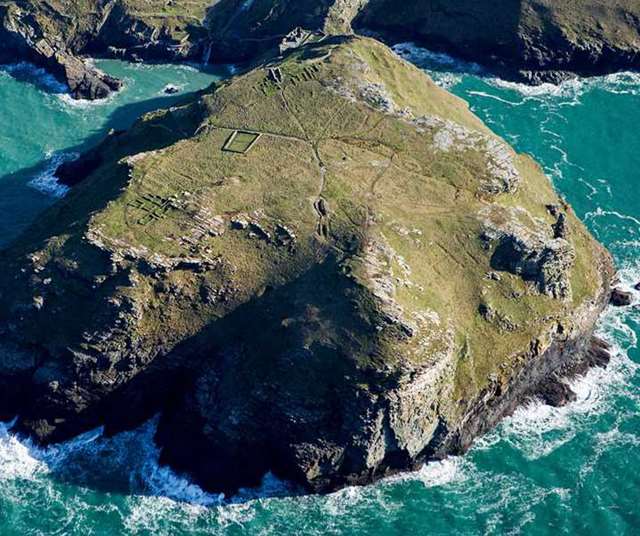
46	181
31	74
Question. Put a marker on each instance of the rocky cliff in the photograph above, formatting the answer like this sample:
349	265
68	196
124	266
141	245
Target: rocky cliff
326	267
533	40
56	34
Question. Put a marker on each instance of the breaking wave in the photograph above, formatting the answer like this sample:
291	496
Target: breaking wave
445	70
46	181
31	74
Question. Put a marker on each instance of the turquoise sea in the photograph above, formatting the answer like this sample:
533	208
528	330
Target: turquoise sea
543	471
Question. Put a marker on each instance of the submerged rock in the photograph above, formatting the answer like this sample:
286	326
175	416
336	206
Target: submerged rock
294	275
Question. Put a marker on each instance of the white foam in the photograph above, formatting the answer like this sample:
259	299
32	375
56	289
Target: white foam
39	75
16	459
171	89
424	57
440	473
445	70
569	89
46	181
600	212
68	101
486	95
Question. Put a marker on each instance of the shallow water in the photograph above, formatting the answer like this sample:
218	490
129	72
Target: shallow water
545	470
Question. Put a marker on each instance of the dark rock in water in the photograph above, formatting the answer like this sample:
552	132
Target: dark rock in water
621	298
598	354
536	78
72	172
84	81
637	286
556	393
171	89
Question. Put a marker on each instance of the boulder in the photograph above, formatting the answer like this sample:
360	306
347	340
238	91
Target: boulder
555	392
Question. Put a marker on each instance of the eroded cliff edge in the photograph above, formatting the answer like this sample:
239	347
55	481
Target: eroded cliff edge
59	34
326	267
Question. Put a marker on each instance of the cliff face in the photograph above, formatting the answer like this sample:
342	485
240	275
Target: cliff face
241	30
326	267
535	40
29	34
56	34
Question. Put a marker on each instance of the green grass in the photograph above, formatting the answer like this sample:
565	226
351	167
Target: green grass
240	141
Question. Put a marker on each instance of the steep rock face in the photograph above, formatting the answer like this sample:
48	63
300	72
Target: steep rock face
23	36
535	40
298	271
54	34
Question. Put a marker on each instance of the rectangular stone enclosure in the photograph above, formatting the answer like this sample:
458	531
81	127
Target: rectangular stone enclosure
241	141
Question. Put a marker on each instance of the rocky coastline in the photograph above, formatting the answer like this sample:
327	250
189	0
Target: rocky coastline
532	41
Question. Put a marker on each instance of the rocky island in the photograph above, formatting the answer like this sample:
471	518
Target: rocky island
326	267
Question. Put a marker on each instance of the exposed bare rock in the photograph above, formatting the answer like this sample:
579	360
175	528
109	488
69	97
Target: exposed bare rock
21	36
535	255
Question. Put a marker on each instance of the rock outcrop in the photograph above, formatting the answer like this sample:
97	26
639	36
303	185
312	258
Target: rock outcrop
57	34
241	30
292	270
621	298
23	37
